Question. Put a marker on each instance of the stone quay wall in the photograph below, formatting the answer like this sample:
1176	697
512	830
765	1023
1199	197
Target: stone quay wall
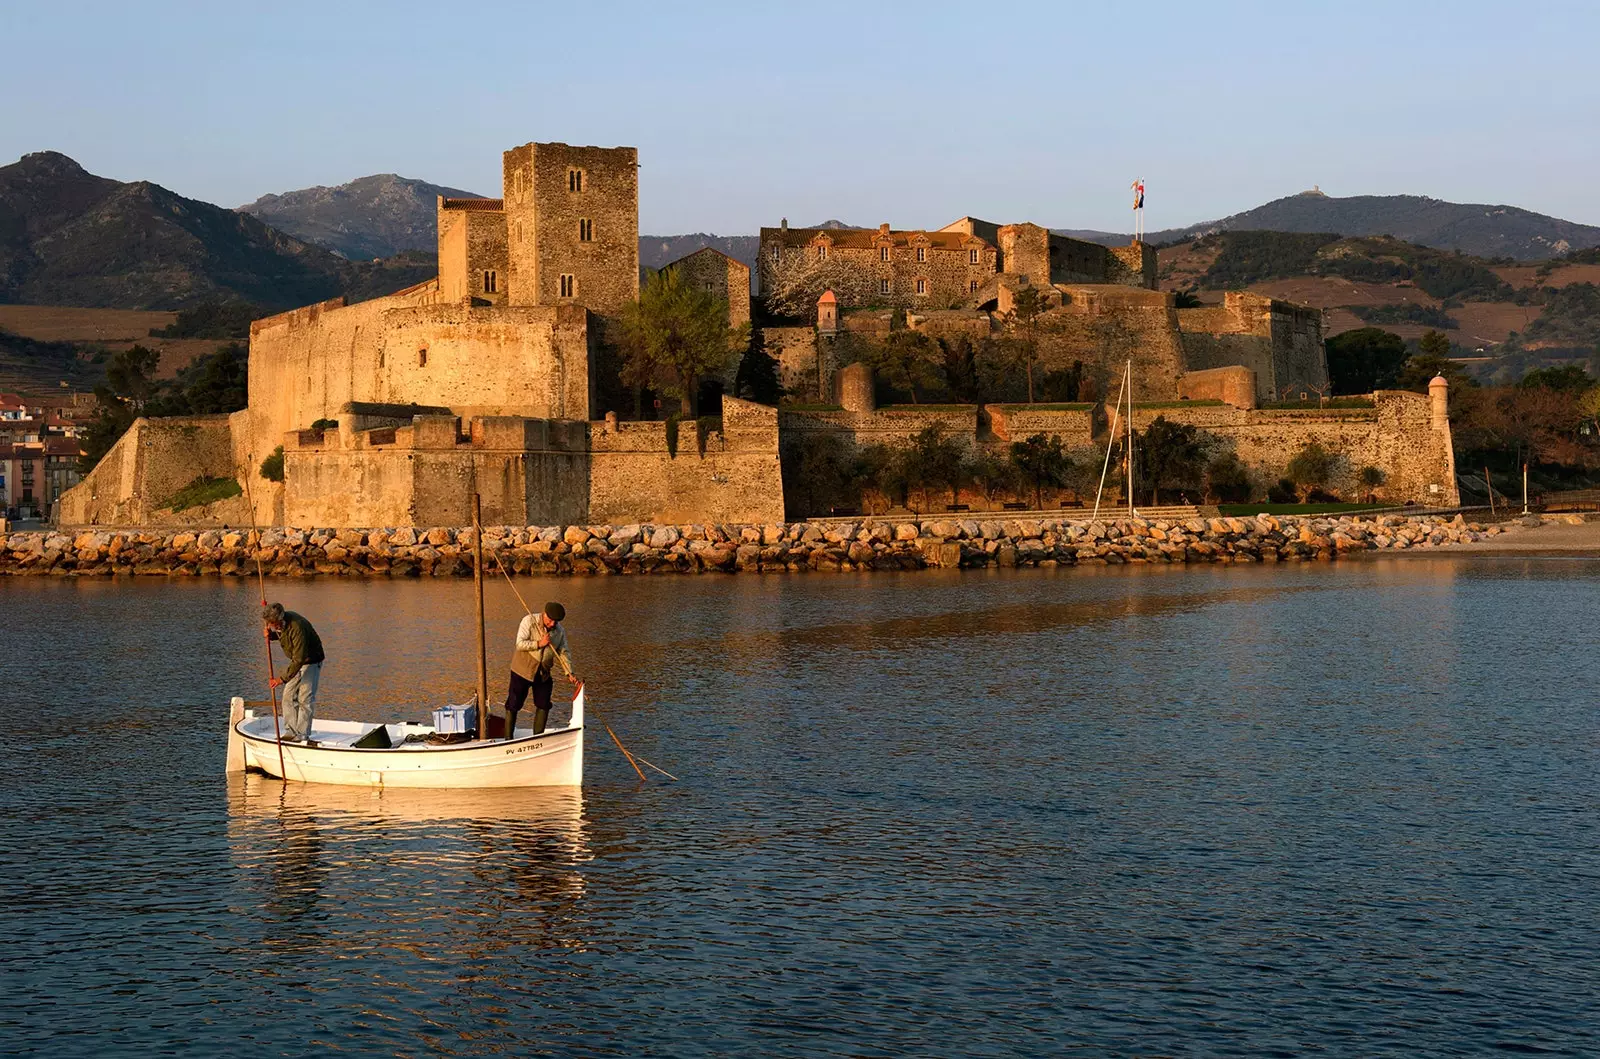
869	544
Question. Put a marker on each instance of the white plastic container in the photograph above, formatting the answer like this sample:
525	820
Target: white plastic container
455	720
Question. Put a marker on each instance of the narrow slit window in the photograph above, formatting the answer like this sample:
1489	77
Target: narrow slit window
491	281
922	286
883	286
972	257
585	230
422	358
974	287
574	180
883	253
569	285
922	253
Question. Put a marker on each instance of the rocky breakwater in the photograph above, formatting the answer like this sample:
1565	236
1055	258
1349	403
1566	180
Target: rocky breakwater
869	544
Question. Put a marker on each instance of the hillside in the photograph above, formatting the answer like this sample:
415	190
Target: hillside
1472	228
1547	312
372	217
68	237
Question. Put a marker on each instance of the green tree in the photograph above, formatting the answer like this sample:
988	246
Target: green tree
1169	456
1028	306
1366	359
990	473
1432	358
1568	378
673	336
906	360
757	379
1228	480
816	473
1311	468
960	362
130	383
1041	460
933	459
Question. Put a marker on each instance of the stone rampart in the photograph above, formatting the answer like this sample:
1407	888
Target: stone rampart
1397	435
155	459
894	426
726	474
489	360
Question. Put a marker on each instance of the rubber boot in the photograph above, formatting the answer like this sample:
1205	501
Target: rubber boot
540	716
511	723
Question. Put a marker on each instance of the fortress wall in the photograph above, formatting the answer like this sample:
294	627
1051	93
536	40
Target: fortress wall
1396	436
148	464
1299	359
1017	422
727	476
500	360
795	351
1134	265
1104	341
305	365
1234	385
1205	352
894	427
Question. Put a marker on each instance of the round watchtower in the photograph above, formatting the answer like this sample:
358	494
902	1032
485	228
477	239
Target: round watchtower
1439	396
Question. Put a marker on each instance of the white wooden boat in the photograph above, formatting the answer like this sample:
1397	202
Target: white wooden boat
553	758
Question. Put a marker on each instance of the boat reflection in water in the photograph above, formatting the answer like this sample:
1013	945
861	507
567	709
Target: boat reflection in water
428	881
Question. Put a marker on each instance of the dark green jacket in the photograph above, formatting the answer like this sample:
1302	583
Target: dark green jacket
301	644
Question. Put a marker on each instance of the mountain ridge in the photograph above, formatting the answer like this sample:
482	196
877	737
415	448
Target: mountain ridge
373	216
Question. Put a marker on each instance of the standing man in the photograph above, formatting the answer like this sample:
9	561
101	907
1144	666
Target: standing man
303	648
541	644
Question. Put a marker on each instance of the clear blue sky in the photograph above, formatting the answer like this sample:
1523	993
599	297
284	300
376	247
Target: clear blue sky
909	113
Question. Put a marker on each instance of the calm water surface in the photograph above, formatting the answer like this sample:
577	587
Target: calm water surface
1344	809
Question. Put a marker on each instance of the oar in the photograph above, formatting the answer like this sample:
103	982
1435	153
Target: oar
631	758
261	582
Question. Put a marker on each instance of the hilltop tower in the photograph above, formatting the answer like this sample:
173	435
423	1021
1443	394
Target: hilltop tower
572	226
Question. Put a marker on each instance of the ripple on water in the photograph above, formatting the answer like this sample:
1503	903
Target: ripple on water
1234	812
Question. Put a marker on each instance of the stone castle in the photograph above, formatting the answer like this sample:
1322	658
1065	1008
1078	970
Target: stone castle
393	411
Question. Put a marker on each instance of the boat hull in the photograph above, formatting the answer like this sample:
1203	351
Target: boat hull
549	759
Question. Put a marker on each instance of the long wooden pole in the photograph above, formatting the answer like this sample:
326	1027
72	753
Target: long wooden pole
631	760
261	583
477	582
1490	486
1130	439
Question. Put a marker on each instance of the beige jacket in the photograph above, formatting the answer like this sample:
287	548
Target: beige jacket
529	658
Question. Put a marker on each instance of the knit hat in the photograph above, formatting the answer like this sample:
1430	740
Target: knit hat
555	611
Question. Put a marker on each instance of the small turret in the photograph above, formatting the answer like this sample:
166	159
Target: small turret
1439	396
827	312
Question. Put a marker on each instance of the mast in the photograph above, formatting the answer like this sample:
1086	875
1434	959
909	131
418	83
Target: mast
1130	438
477	585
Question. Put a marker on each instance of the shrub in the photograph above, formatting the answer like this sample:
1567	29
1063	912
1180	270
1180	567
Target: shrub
1282	493
1227	479
272	466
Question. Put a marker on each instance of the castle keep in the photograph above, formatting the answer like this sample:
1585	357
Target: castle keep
487	378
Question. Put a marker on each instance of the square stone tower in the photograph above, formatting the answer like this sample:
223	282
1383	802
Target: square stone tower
572	226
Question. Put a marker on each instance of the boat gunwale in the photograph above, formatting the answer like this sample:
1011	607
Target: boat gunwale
482	744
